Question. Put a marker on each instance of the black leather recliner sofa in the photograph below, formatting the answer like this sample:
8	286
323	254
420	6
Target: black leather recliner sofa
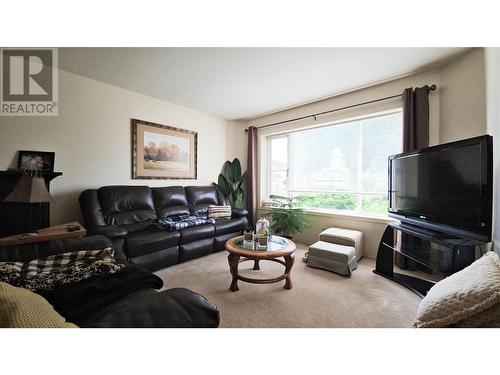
142	308
125	215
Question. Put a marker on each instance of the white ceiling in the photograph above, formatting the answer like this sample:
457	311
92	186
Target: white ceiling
240	83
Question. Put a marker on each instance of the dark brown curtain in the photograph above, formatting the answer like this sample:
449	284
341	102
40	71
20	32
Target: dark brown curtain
415	136
252	175
415	118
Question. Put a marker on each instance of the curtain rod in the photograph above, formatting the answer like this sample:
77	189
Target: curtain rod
431	88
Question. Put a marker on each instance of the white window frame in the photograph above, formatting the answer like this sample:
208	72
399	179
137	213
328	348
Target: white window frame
358	192
270	161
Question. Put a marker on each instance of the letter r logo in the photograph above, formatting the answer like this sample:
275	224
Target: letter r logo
27	75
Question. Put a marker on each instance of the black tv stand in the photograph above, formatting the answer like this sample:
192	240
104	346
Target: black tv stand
436	252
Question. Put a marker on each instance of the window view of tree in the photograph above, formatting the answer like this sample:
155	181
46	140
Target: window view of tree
341	166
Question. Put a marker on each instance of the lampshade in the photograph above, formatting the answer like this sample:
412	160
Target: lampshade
30	190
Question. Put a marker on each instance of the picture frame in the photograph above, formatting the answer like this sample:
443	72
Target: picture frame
163	152
36	160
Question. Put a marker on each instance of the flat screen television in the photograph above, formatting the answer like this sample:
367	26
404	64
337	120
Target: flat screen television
445	188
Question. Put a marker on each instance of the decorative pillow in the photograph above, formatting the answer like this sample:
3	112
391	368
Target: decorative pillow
21	308
219	212
468	297
489	318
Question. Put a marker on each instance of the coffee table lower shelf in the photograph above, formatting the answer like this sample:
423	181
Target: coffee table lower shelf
234	260
239	254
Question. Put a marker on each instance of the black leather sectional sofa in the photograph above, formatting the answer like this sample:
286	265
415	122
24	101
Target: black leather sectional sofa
125	215
142	308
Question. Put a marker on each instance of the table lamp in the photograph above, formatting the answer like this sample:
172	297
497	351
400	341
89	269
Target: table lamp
30	189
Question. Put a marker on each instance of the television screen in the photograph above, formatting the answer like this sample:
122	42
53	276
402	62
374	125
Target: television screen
444	187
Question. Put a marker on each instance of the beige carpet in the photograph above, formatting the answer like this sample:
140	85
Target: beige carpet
318	298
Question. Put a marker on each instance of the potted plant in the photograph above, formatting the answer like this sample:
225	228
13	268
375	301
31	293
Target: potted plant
286	219
230	181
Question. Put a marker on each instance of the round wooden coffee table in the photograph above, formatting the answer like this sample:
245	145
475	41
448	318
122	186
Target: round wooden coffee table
277	247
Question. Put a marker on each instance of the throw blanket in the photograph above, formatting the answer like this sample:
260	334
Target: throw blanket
56	270
171	224
76	301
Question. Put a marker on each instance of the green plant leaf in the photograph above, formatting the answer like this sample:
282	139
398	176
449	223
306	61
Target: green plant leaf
235	171
224	185
288	221
225	168
238	185
230	182
238	198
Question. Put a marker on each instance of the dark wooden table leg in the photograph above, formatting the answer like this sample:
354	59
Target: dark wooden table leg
256	265
289	259
233	260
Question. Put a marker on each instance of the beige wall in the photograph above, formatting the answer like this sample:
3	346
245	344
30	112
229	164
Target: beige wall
457	111
492	60
462	97
91	139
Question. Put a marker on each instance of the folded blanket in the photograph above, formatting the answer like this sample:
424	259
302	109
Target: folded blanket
55	270
219	212
170	224
77	301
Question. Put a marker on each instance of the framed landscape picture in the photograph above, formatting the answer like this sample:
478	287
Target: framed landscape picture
162	152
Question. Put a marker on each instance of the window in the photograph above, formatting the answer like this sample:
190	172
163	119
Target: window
341	166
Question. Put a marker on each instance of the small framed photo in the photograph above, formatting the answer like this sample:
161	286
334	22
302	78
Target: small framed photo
36	160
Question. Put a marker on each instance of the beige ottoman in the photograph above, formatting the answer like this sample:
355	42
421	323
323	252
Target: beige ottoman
346	237
332	257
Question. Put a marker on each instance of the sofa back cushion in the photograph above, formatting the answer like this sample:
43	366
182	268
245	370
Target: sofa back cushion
200	197
91	208
127	205
170	201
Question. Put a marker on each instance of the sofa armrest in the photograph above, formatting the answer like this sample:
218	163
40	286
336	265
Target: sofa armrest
110	231
238	212
78	244
171	308
28	252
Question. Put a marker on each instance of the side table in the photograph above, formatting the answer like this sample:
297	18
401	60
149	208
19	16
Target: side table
57	232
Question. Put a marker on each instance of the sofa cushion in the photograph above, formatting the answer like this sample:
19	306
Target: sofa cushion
201	194
197	233
220	241
200	210
110	231
231	225
157	260
170	201
141	243
171	211
467	293
126	204
195	249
